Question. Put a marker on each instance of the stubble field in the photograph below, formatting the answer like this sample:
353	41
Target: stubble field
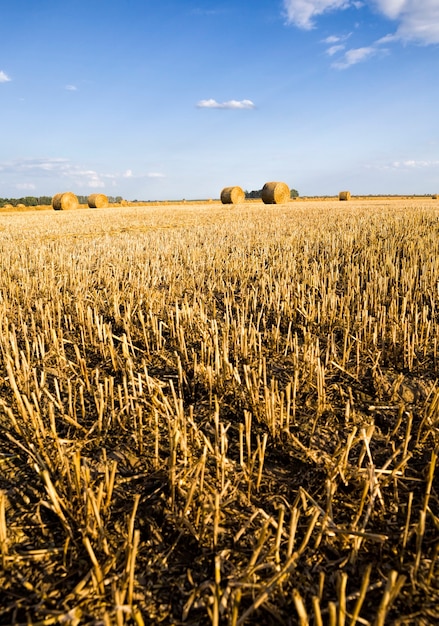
220	415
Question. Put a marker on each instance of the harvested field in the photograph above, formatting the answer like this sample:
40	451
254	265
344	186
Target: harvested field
220	416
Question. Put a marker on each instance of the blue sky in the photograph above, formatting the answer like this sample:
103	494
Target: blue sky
170	99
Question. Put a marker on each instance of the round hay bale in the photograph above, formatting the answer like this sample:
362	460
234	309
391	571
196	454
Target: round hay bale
435	196
56	200
65	201
344	195
232	195
97	201
275	193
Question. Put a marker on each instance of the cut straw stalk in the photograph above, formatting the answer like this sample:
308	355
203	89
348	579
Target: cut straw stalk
3	527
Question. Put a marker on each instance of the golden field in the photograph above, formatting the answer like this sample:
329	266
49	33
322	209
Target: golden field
218	414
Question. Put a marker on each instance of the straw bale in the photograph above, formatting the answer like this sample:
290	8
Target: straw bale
344	195
275	193
232	195
97	201
65	201
435	196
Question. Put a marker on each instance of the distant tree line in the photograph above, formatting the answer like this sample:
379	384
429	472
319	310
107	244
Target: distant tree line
47	200
27	201
258	193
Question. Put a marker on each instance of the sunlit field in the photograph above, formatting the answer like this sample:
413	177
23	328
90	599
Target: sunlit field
217	414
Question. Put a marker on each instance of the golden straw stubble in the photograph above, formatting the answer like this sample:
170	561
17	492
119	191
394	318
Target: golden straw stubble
275	193
232	195
65	201
97	201
344	195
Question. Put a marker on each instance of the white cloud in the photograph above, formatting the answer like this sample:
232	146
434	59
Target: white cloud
356	55
90	178
332	39
59	168
392	8
335	43
230	104
36	166
35	172
4	78
405	165
302	12
334	49
417	20
130	174
26	186
413	164
71	88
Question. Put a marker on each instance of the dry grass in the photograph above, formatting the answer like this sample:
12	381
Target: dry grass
218	418
232	195
275	193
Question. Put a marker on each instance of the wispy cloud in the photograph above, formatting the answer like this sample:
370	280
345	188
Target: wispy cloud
417	20
336	43
29	173
26	186
414	164
405	165
38	165
71	88
302	13
230	104
130	174
4	78
45	168
332	39
334	49
357	55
